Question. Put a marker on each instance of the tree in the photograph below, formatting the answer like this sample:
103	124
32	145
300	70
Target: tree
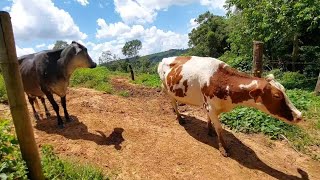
106	56
131	48
60	44
210	37
283	26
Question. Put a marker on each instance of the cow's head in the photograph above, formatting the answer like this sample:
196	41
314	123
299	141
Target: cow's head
77	56
271	95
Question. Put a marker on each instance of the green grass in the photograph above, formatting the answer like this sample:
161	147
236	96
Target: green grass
3	93
97	78
124	93
13	167
150	80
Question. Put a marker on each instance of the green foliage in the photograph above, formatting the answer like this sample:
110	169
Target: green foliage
210	37
131	48
60	44
96	78
150	80
3	92
55	168
11	164
289	30
242	63
292	80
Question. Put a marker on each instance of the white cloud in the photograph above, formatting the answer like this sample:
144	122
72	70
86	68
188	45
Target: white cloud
214	4
40	45
35	19
7	8
153	39
83	2
192	24
145	11
50	46
24	51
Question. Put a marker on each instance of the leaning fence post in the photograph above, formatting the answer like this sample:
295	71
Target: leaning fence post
257	58
16	97
317	89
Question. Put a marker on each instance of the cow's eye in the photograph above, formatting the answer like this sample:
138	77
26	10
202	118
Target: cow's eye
277	96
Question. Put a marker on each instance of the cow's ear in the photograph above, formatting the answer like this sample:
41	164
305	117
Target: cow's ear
256	95
270	77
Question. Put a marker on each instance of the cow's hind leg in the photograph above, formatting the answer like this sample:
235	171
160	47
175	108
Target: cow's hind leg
217	126
45	107
35	113
175	107
64	105
211	131
54	105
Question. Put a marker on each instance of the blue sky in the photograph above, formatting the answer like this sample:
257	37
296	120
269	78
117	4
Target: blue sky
103	25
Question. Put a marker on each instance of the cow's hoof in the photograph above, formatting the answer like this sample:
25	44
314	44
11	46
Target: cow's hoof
211	133
37	117
69	119
181	120
223	152
60	126
48	115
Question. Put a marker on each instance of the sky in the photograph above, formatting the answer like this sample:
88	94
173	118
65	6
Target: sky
105	25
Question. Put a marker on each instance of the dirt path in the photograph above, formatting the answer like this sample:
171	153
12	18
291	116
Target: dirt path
138	138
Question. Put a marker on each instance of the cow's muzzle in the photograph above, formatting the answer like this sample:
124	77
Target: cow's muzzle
93	65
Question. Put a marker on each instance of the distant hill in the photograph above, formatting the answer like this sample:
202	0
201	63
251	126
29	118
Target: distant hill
157	57
145	63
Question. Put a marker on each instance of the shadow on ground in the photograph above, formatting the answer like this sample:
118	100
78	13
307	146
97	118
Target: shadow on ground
78	130
237	150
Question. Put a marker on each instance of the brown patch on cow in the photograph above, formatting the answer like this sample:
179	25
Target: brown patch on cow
227	76
180	60
174	77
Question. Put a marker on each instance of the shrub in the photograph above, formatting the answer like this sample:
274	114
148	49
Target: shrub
292	80
3	93
96	78
11	164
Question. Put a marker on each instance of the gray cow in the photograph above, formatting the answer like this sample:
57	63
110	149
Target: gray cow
48	72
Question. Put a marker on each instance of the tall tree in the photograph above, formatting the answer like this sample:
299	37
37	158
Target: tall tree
132	48
282	25
210	37
105	57
60	44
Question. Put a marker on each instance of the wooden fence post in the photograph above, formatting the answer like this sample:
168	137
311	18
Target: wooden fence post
16	97
257	58
317	89
131	71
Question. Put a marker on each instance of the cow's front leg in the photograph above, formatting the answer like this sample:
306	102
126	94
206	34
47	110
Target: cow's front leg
217	126
54	105
64	105
175	107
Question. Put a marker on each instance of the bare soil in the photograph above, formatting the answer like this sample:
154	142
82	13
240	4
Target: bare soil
138	137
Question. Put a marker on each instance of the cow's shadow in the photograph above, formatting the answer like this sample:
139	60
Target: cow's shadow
78	130
237	150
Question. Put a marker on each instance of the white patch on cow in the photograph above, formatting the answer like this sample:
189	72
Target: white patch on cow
164	67
250	86
228	88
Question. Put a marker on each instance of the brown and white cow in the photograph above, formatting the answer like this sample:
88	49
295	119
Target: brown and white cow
211	83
